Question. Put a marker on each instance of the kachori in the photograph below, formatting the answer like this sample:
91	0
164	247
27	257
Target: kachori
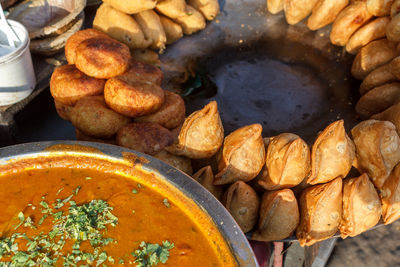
145	137
92	116
68	85
133	98
102	58
170	115
73	42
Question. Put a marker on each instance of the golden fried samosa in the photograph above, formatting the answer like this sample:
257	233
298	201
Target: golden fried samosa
243	204
391	114
325	12
173	31
320	212
172	8
171	113
348	21
390	197
287	162
205	177
209	8
378	77
275	6
152	28
378	149
332	154
394	67
243	155
393	29
378	99
180	162
371	31
120	26
379	8
132	6
361	206
395	8
297	10
372	56
201	135
192	21
279	216
146	56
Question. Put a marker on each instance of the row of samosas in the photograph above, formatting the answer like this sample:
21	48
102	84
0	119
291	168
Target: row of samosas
355	23
240	167
153	24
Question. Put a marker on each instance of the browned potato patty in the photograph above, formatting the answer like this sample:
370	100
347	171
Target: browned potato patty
142	72
68	85
170	115
132	98
76	39
83	137
102	58
63	111
92	116
145	137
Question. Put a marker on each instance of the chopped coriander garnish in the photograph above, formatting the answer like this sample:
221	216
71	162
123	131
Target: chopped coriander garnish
139	186
152	254
76	190
134	191
59	191
166	203
88	178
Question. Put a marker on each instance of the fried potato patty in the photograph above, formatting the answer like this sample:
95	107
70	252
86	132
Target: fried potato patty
142	72
145	137
63	110
83	137
133	98
92	116
102	58
170	115
68	85
76	39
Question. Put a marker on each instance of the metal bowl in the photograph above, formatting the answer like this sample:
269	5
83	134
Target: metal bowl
228	228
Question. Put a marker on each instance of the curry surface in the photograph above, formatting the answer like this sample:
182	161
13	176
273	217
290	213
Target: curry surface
141	212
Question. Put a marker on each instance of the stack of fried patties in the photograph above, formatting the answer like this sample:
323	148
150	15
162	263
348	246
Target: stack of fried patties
111	98
153	24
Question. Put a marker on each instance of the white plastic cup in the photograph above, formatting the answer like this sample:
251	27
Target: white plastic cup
17	77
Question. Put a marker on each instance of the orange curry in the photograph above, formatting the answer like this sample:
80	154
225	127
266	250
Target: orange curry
108	214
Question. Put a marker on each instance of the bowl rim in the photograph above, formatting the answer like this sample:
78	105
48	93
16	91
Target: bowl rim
225	223
51	27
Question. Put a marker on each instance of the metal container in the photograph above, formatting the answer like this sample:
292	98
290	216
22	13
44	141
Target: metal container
17	77
228	228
